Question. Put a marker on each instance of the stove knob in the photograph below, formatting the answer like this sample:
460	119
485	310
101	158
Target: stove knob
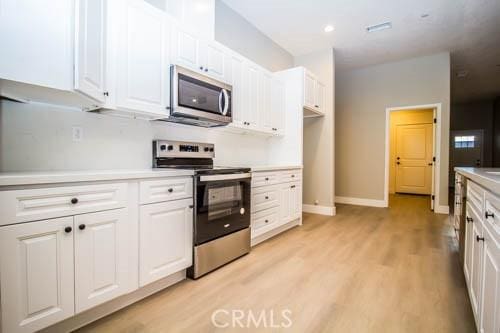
211	149
170	148
206	149
163	147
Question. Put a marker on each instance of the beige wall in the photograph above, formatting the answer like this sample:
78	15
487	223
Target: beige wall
234	31
407	117
319	167
362	96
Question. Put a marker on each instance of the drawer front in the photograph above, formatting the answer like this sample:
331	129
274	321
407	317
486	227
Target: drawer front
492	213
44	203
291	176
152	191
265	178
264	198
475	196
265	220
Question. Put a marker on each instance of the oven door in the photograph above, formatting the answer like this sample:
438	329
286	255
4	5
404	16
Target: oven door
199	97
222	205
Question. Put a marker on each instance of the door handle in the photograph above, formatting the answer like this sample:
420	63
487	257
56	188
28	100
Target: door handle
398	163
430	164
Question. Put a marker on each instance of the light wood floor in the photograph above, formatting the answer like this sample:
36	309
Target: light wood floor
364	270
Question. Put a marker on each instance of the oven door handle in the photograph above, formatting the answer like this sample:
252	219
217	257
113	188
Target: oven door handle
232	176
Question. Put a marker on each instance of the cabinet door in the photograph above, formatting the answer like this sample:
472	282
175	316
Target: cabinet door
36	42
214	61
266	111
165	239
278	107
237	94
252	100
285	203
90	48
490	298
476	269
186	49
101	257
319	96
469	220
143	72
309	90
296	200
36	274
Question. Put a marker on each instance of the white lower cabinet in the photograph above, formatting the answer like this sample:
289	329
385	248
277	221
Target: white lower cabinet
165	239
277	204
101	257
482	257
36	274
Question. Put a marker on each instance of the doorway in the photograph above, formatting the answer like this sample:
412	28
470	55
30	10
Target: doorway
412	151
466	149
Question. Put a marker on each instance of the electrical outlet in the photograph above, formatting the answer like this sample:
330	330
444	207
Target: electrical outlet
77	134
316	202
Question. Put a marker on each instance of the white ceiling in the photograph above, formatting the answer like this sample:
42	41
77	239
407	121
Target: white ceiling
469	29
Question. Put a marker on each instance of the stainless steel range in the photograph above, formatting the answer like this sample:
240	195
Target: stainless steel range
221	201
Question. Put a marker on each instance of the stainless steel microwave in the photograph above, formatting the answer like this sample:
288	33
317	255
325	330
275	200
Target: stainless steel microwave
199	100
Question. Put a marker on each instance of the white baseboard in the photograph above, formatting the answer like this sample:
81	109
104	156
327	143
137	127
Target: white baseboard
442	209
321	210
361	202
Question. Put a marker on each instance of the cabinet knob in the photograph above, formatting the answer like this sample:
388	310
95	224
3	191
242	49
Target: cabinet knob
74	201
170	190
266	221
469	219
293	186
486	214
201	67
81	227
293	176
267	197
68	230
106	93
206	69
479	238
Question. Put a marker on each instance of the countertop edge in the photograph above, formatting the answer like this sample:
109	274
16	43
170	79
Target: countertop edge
488	182
275	168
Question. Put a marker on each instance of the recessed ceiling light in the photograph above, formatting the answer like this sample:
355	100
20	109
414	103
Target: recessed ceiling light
329	28
378	27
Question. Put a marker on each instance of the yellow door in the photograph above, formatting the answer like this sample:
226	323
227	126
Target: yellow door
414	158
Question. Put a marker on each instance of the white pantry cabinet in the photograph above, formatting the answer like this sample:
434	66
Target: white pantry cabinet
90	48
314	95
142	59
165	239
36	274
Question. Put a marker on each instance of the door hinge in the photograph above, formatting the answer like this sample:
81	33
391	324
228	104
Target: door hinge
433	197
435	120
434	159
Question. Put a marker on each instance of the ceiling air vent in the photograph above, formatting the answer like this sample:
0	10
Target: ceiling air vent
378	27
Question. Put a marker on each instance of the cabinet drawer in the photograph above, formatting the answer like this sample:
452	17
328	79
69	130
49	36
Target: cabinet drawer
492	213
44	203
265	217
475	196
291	176
265	178
265	197
152	191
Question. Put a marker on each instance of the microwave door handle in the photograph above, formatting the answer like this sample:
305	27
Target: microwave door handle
223	110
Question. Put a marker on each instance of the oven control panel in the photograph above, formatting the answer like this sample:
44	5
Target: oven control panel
165	148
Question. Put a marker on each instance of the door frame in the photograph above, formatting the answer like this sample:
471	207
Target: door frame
436	148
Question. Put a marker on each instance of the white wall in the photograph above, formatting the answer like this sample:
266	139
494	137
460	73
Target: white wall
362	96
319	146
234	31
38	137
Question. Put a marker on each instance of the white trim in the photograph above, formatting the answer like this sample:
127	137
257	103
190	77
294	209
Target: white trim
437	147
361	202
321	210
442	209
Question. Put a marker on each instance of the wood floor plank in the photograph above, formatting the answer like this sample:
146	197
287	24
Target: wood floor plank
364	270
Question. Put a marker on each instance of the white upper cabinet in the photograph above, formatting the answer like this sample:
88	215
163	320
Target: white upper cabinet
101	257
266	111
216	61
237	94
36	42
278	105
36	274
198	14
314	95
90	48
142	71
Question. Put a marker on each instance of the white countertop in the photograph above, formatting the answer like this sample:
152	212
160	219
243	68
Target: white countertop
274	167
51	177
489	178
